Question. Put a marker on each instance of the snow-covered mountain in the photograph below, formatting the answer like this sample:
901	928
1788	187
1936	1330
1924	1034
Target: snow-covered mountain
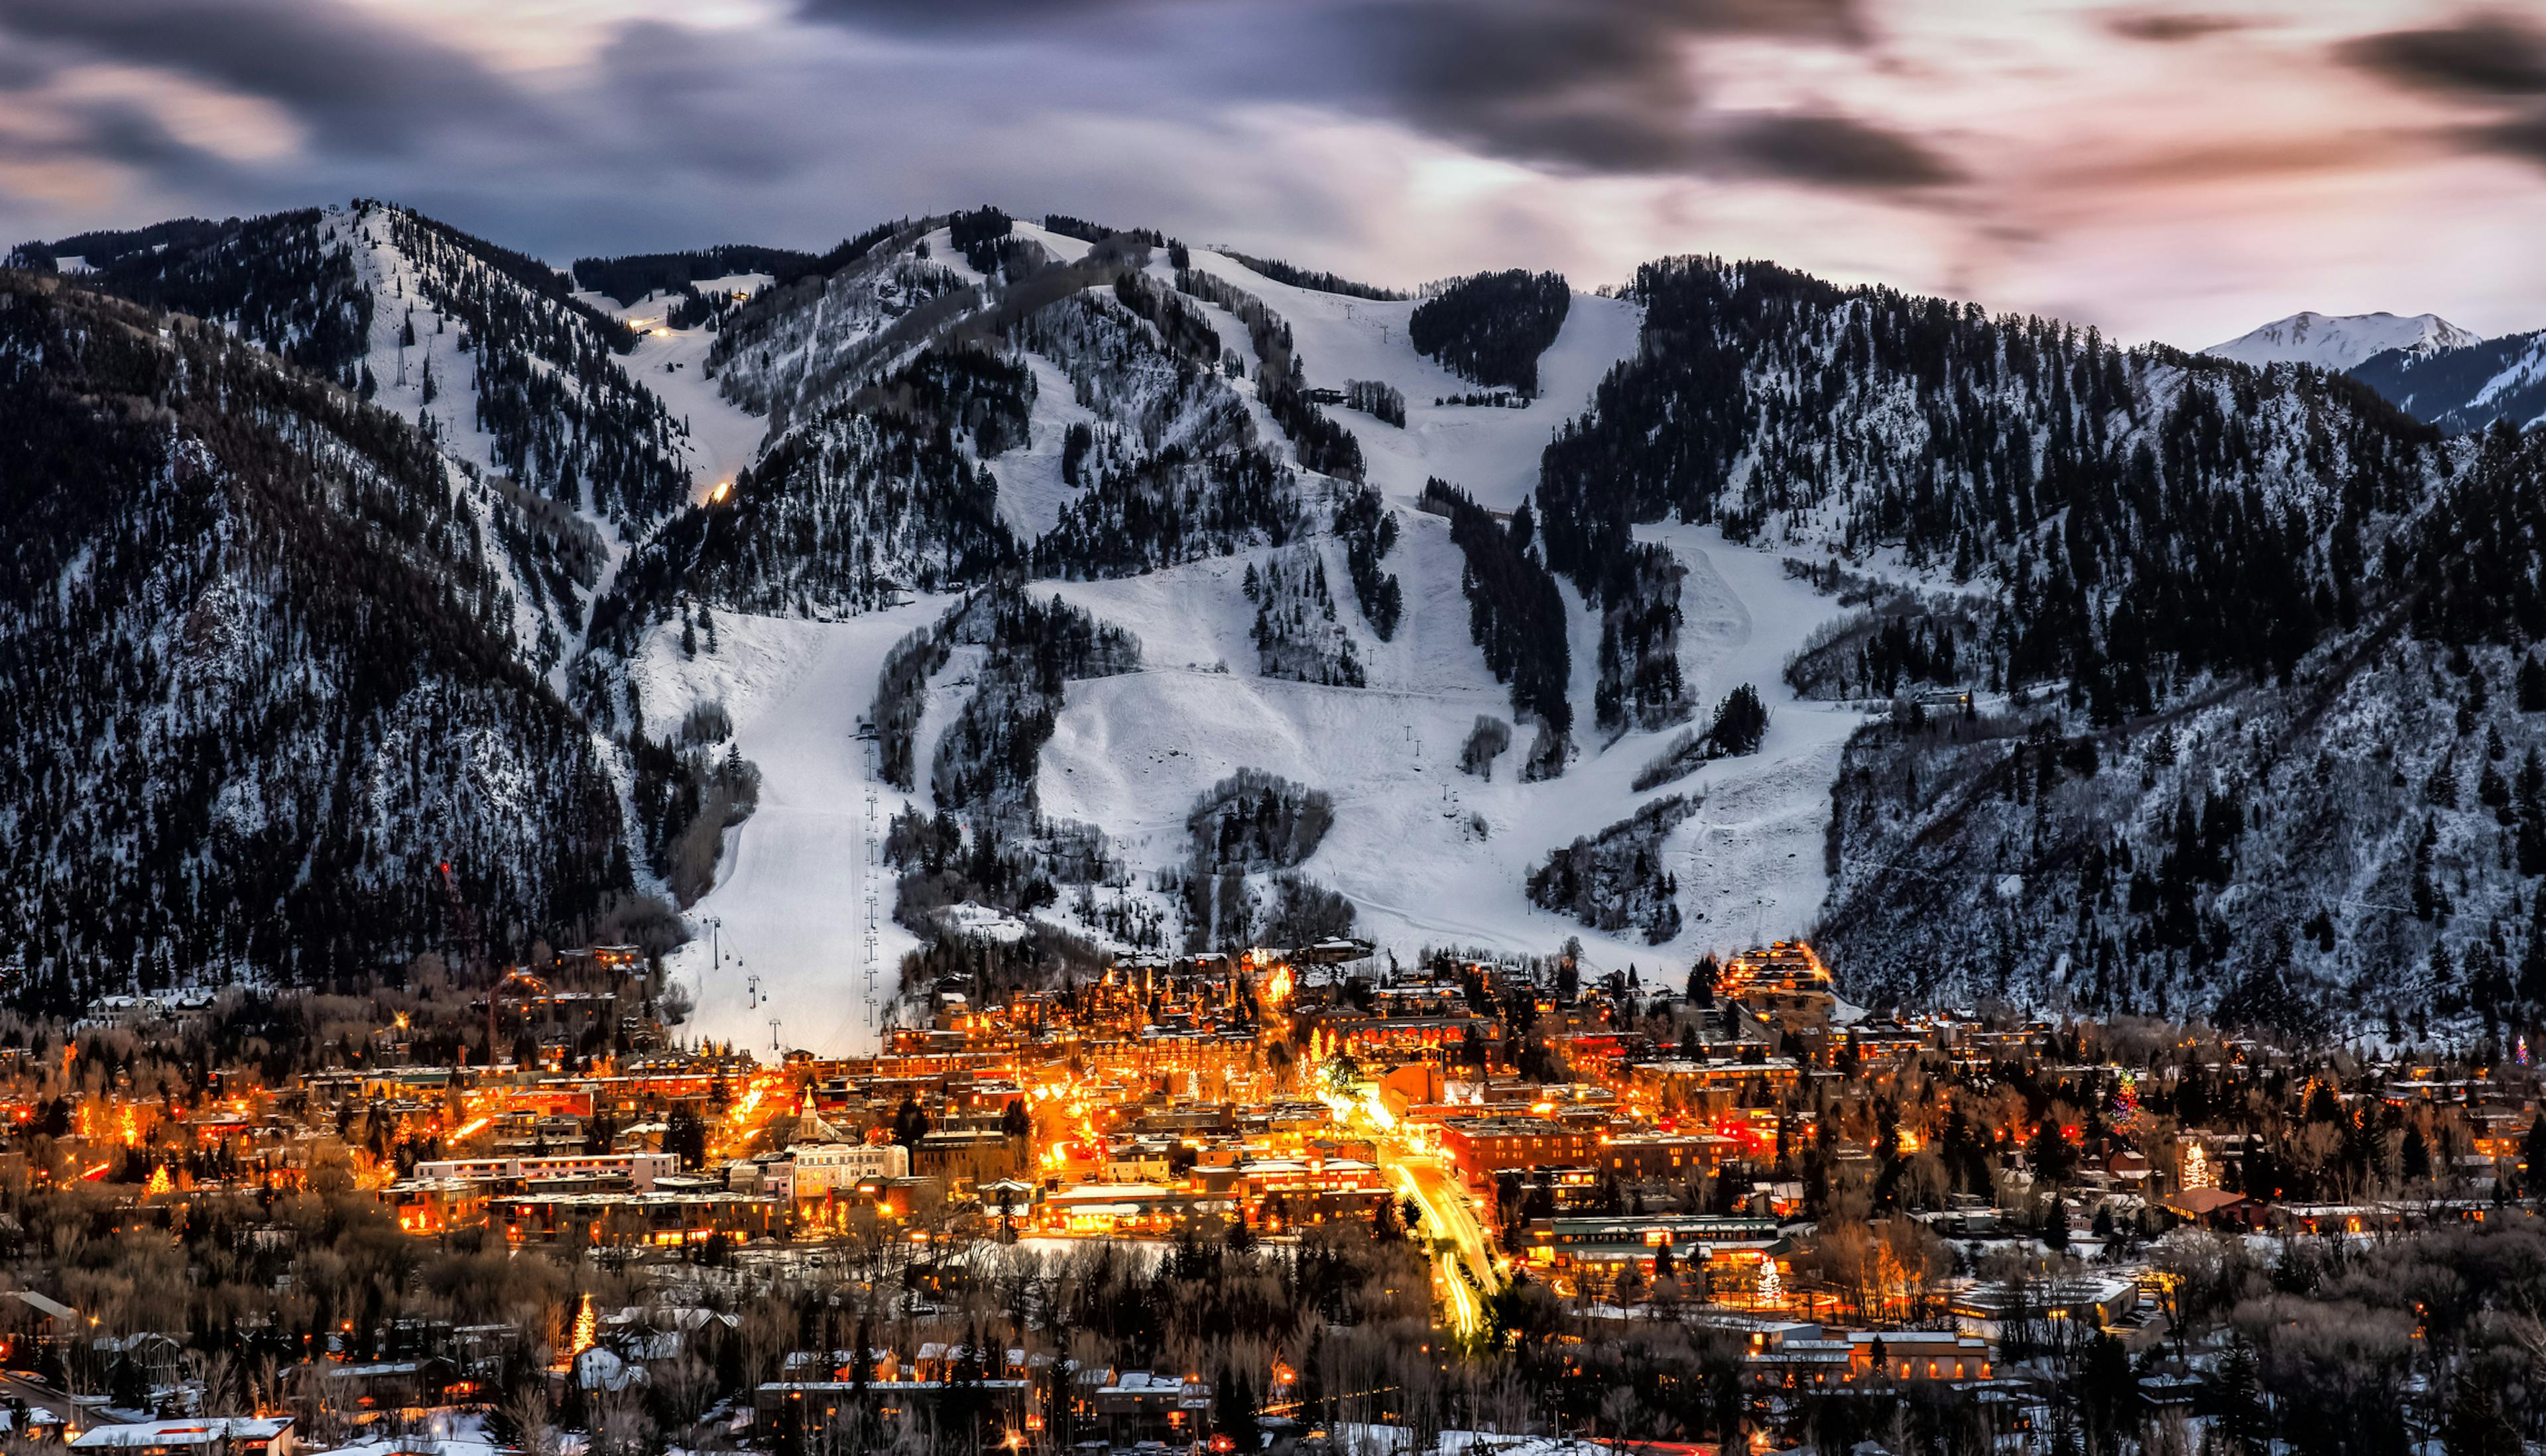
2466	388
2340	341
987	598
261	641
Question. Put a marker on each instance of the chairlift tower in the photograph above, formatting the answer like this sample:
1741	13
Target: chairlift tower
869	929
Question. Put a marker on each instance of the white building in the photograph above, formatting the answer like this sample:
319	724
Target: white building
824	1166
639	1169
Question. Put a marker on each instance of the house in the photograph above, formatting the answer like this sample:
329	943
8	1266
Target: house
1140	1404
2216	1208
234	1436
387	1385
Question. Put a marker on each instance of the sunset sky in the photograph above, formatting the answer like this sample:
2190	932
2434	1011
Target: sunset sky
2172	173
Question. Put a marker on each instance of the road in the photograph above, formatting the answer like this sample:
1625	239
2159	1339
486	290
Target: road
1462	1253
1465	1252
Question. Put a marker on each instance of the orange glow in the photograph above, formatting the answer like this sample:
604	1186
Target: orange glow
586	1327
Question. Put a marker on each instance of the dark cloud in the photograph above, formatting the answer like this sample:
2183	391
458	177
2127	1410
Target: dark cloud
1839	151
2172	26
2523	137
2483	56
1601	87
1609	87
974	16
359	83
2496	62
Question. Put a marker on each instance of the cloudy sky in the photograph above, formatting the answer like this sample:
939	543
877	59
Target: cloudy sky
2170	172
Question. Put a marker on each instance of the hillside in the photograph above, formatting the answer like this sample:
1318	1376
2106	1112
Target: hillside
2238	649
2466	388
266	675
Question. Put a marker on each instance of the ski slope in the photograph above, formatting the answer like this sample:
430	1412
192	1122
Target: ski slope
1133	753
1429	856
790	888
1492	454
724	437
1751	860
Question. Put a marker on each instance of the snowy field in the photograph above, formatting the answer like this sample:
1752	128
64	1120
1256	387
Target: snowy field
1749	861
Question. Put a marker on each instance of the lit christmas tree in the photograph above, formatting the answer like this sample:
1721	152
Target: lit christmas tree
2126	1098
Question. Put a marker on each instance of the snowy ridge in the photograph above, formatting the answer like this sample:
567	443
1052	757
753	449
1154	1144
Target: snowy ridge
2340	341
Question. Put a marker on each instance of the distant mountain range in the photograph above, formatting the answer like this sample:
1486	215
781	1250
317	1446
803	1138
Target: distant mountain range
2425	366
2342	341
1189	600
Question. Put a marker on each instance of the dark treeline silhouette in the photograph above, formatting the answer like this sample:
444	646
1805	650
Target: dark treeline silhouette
1368	530
1252	823
1316	280
1182	327
631	278
1377	398
1639	679
1097	233
278	279
1514	611
1171	507
106	247
1485	742
1617	878
977	234
1258	820
1490	327
849	251
877	496
2166	508
1902	642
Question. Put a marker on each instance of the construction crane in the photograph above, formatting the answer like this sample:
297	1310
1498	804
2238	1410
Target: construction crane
467	925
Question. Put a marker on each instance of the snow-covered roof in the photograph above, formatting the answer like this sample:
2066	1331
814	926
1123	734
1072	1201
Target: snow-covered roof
199	1432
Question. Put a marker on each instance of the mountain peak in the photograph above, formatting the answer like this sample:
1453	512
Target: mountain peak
2341	340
